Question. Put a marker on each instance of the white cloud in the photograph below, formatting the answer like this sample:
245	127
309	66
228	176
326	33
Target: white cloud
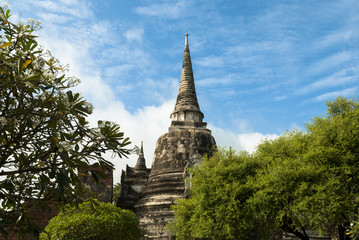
210	61
240	141
280	98
348	92
341	77
69	2
162	90
330	62
295	126
135	34
81	65
212	81
126	58
79	9
52	17
146	124
334	38
165	10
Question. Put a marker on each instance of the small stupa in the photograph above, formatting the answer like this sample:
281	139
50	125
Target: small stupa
133	181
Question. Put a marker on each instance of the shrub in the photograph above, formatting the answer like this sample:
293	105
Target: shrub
92	220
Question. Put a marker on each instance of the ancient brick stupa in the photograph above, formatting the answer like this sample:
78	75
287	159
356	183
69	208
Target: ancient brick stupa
182	146
133	181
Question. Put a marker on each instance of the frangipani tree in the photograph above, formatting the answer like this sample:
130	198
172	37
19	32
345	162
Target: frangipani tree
44	135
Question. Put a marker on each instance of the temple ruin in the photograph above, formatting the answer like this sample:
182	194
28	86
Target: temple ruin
133	181
183	146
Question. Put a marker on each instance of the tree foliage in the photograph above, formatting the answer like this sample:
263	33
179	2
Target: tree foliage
116	192
219	190
44	135
92	220
299	181
294	192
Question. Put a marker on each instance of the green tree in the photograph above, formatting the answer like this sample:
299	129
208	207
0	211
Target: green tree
44	135
311	179
336	146
92	220
219	190
299	181
294	192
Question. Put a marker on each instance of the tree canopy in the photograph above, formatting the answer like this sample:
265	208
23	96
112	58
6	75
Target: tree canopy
92	220
44	135
219	190
298	182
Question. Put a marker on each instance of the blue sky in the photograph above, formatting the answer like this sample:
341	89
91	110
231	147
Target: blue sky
260	67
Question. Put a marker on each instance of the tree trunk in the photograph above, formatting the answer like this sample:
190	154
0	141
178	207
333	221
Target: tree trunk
342	231
287	228
301	235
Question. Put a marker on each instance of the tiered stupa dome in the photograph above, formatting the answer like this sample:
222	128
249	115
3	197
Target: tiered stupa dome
187	140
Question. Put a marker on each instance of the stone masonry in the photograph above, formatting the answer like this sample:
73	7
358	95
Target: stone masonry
133	182
182	146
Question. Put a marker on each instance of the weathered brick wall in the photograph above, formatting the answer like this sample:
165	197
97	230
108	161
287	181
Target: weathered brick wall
40	214
104	187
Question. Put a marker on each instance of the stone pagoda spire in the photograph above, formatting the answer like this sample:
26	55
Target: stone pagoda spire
133	181
187	112
141	162
182	146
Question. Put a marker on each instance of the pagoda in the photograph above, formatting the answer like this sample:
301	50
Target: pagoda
183	146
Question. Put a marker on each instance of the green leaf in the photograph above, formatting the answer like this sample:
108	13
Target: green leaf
62	181
24	65
4	45
34	45
3	71
30	84
7	13
32	77
56	139
20	218
44	179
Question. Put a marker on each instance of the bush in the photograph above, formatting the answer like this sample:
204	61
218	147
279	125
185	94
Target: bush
92	220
